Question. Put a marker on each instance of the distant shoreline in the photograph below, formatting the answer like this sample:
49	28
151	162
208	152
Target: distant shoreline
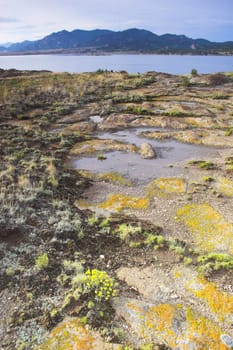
110	53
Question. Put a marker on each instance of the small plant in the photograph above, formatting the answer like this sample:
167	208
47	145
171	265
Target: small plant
206	165
177	246
99	283
186	81
194	72
93	220
42	261
216	261
101	157
229	131
127	230
187	261
104	223
203	164
207	179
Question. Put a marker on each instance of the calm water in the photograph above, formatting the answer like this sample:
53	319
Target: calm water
140	170
174	64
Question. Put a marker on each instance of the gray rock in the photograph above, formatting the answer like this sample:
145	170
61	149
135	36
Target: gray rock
147	151
227	340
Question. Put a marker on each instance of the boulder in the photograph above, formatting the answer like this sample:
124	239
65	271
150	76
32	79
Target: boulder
147	151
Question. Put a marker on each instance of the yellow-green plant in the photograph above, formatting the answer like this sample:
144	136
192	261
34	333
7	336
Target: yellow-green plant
100	284
42	261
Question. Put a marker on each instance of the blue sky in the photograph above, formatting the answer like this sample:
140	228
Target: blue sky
33	19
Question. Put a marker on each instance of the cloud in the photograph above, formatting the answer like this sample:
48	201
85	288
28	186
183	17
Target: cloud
209	21
8	20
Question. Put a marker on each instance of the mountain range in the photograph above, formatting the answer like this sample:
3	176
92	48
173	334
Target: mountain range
130	40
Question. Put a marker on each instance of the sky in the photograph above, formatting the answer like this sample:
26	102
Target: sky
33	19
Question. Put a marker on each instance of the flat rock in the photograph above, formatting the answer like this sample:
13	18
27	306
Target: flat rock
73	335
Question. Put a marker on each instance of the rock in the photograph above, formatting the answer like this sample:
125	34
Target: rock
227	340
72	334
176	325
147	151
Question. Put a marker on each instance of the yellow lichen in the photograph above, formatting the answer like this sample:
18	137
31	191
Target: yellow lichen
220	303
100	145
166	186
115	177
203	333
69	335
211	232
108	177
157	321
119	202
225	186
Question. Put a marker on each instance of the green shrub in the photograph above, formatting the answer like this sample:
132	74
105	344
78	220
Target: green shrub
194	72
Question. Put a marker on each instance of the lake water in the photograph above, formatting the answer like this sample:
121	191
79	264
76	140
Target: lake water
174	64
171	156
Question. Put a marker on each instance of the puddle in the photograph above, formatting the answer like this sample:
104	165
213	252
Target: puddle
170	155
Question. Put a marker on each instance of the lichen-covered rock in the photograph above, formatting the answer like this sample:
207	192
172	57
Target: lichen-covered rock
176	325
210	231
71	334
101	145
147	151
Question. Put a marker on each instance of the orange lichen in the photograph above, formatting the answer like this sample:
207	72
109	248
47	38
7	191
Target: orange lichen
69	335
220	303
203	333
210	230
119	202
156	321
72	335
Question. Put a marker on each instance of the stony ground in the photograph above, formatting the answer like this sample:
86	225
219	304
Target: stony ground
97	261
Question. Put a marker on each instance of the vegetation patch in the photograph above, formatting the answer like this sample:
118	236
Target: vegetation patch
203	164
210	231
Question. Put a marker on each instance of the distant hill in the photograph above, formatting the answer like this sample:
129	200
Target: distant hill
136	40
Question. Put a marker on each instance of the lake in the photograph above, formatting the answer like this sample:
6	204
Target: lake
174	64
